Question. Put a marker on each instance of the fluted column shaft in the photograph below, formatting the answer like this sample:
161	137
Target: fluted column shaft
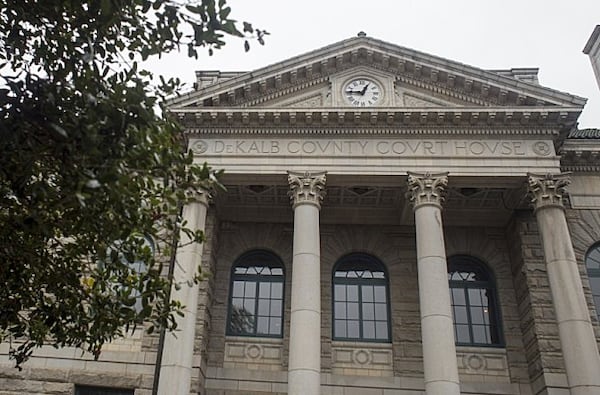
578	342
304	367
426	192
178	348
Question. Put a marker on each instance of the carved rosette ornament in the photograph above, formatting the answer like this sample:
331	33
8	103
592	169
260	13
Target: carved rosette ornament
547	190
307	188
427	188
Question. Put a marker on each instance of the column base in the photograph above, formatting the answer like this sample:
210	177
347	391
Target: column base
304	382
442	388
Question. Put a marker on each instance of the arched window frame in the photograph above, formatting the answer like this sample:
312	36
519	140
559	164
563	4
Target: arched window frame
257	258
368	261
592	265
472	264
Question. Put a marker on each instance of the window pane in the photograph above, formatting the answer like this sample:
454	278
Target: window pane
249	305
353	329
238	303
592	260
262	326
340	328
462	334
275	308
340	310
264	290
368	330
238	289
250	290
340	293
367	293
458	296
353	311
380	294
477	315
481	334
263	307
277	290
460	315
475	297
241	321
595	285
381	329
381	312
275	326
352	293
368	311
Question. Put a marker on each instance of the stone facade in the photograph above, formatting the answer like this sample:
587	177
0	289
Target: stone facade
451	162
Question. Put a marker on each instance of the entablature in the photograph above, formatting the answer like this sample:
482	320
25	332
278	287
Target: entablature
561	119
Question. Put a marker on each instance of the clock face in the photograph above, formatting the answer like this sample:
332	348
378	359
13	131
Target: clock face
362	92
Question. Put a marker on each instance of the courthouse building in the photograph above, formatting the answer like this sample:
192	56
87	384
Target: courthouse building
394	223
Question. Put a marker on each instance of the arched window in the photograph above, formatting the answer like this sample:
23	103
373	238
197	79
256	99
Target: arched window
592	263
256	295
360	299
474	306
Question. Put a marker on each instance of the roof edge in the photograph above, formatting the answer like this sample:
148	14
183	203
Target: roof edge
592	40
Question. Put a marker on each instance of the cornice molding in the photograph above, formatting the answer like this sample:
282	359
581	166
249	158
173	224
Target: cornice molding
437	88
408	132
580	158
275	94
517	117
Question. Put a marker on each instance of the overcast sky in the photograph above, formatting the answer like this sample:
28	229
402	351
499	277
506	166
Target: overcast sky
498	34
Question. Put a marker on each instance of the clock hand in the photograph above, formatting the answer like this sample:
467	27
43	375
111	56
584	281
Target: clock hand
364	90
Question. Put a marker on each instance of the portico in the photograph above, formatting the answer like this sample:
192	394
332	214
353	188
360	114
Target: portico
410	255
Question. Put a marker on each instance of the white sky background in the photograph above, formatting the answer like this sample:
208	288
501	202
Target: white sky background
488	34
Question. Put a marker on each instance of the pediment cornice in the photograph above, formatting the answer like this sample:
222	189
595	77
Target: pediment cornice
414	68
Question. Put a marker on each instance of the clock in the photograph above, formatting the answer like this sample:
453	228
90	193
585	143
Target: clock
362	92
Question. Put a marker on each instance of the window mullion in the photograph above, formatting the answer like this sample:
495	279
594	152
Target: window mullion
469	319
360	313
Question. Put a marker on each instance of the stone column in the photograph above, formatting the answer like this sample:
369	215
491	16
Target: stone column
304	368
426	192
178	348
577	339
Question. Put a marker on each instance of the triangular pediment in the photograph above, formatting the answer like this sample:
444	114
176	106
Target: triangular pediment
404	77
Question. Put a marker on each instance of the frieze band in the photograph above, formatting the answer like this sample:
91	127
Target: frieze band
374	147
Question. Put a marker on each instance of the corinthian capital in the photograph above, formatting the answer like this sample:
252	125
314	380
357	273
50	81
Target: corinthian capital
306	188
547	189
427	188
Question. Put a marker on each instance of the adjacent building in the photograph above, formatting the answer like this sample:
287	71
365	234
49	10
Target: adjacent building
592	49
394	223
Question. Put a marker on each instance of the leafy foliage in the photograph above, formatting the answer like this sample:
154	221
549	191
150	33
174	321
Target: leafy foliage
88	167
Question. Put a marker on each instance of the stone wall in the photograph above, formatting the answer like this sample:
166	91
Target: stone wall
584	226
398	365
534	299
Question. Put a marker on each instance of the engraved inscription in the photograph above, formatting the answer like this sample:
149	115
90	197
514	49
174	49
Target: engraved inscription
373	147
